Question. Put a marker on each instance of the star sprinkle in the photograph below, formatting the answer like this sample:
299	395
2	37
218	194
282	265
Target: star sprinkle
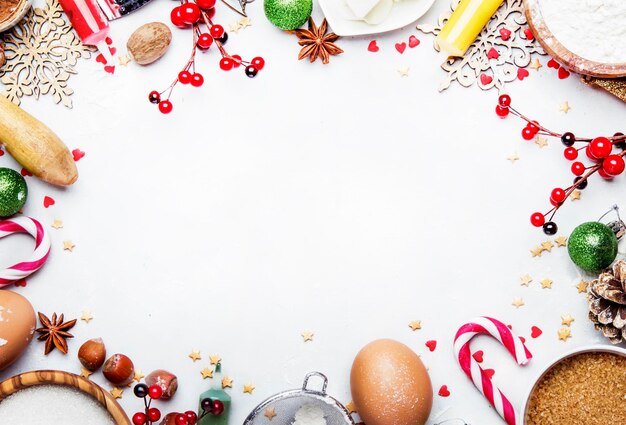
564	334
124	60
541	141
234	27
57	224
547	246
567	320
350	407
536	252
245	23
513	157
206	373
138	376
86	316
227	382
415	325
270	413
560	241
215	359
248	388
517	302
582	286
307	336
565	108
525	280
85	373
68	246
535	64
546	283
575	195
195	355
116	392
404	71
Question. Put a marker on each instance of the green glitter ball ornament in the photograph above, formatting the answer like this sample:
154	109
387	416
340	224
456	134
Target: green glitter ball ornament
592	246
288	14
13	192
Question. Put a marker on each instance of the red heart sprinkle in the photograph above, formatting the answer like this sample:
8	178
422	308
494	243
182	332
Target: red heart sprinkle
505	33
1	152
444	391
478	356
373	47
522	73
529	34
510	327
535	332
493	54
25	172
563	73
401	47
413	41
21	282
553	64
48	201
489	373
108	40
432	344
78	154
485	79
110	69
112	50
100	59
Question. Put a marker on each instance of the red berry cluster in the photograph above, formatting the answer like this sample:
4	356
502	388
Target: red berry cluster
150	414
598	150
195	14
208	406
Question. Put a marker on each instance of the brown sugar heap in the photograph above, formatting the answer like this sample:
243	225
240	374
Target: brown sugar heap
585	389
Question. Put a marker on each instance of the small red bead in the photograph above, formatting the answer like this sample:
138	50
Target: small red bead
578	168
504	100
204	40
197	79
501	111
192	418
570	153
139	418
165	106
181	419
218	407
557	196
184	77
236	61
604	174
600	147
217	31
190	13
258	62
177	18
537	219
155	392
206	4
226	64
528	133
613	165
154	414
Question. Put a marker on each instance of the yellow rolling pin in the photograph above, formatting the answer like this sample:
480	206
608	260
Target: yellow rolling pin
35	146
466	22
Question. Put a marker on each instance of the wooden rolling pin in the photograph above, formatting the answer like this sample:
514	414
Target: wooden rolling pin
35	146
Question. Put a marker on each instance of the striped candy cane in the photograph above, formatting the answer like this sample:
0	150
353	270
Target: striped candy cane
23	224
482	381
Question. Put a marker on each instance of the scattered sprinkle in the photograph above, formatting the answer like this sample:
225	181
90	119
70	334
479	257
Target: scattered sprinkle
307	336
541	141
86	316
444	391
575	195
227	382
535	64
535	332
85	373
138	376
206	373
582	286
536	252
195	355
546	283
564	334
117	392
547	245
517	302
567	319
560	241
415	325
513	157
57	224
351	407
245	22
404	71
68	246
432	344
215	359
124	60
270	413
248	388
525	280
565	108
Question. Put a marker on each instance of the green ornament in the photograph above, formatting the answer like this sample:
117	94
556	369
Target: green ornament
288	14
592	246
13	192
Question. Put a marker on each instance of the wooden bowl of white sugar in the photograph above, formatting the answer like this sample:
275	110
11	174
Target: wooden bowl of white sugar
52	397
588	37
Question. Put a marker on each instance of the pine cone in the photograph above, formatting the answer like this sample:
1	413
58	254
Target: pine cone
607	303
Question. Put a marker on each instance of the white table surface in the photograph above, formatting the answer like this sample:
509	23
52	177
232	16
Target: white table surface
340	199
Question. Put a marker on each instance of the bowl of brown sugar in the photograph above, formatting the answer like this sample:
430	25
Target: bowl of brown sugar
11	12
584	387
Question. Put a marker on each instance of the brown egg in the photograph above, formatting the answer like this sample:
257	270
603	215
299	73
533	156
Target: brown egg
390	385
17	326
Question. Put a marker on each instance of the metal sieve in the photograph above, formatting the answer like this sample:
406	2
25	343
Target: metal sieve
287	403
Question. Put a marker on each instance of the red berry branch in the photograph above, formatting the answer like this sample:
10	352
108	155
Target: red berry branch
598	150
198	14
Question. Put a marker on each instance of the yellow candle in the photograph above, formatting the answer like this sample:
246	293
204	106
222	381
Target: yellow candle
465	24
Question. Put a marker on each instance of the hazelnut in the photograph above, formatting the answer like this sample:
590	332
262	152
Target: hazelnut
92	354
169	419
119	370
164	379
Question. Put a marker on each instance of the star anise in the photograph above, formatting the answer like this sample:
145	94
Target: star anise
54	332
317	43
